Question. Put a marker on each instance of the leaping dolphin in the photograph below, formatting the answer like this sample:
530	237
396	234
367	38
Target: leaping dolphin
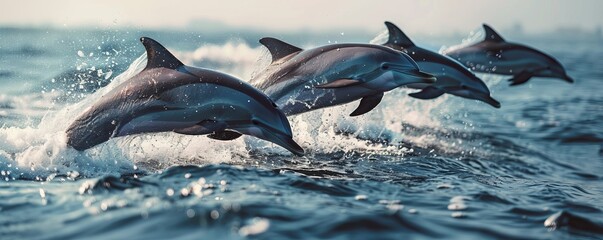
304	80
453	78
495	55
170	96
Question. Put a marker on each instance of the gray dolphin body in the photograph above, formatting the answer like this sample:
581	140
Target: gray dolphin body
304	80
169	96
453	77
495	55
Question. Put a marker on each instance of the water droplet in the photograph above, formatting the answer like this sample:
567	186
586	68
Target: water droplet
361	197
257	226
458	203
184	192
190	213
457	206
458	215
80	53
214	214
42	193
169	192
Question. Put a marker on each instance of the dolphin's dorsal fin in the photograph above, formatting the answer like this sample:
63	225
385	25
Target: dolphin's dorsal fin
397	37
278	49
158	56
492	35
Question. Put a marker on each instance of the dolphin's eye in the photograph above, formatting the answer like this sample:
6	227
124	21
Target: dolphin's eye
255	122
464	87
384	67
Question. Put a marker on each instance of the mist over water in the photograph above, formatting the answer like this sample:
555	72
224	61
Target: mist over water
445	168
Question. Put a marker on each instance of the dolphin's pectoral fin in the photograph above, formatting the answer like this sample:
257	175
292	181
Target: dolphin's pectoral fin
203	127
430	92
194	130
339	83
225	135
367	104
521	78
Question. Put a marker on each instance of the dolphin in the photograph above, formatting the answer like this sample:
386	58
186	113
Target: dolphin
303	80
495	55
453	77
170	96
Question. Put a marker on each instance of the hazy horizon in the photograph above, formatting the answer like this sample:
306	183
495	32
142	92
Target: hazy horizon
425	17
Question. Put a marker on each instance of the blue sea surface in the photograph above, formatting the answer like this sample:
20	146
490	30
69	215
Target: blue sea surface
411	169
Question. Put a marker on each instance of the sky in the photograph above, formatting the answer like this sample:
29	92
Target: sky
427	16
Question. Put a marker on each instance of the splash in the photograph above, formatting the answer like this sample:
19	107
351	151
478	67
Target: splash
474	36
38	149
381	38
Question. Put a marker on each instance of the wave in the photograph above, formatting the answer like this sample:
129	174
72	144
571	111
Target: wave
236	58
24	50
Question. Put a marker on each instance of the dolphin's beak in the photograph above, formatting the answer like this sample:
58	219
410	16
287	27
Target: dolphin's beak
284	141
491	101
568	79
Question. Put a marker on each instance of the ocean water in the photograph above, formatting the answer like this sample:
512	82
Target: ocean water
411	169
